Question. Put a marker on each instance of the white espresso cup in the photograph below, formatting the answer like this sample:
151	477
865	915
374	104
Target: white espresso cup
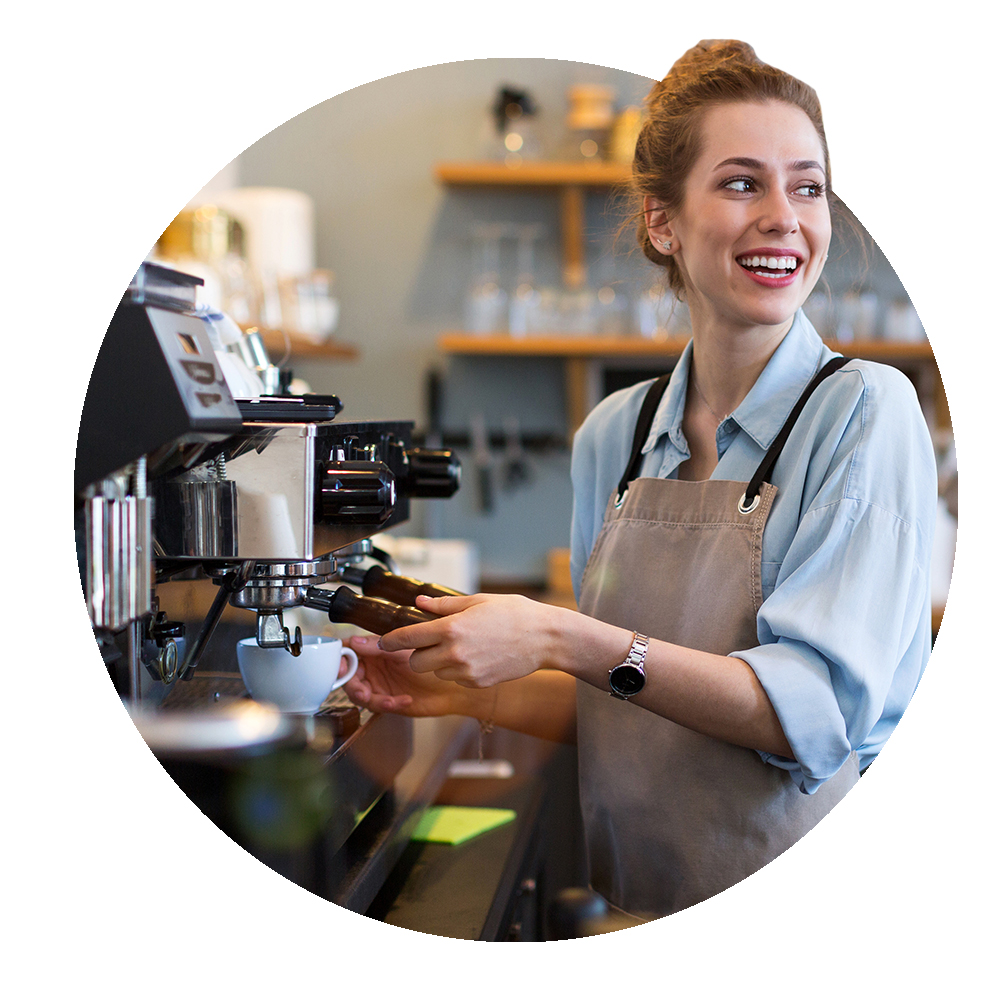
295	684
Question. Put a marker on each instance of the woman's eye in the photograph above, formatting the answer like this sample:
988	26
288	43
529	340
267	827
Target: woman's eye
813	189
744	185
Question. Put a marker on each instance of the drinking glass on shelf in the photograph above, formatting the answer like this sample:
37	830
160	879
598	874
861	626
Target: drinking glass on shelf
308	306
612	310
902	323
548	310
525	301
612	300
847	309
578	307
868	313
486	300
659	313
821	311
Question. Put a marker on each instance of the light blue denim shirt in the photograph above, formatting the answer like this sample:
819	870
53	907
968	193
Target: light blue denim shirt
844	628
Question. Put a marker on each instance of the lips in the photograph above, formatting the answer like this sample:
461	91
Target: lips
770	266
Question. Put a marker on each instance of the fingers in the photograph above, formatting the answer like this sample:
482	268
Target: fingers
358	689
370	646
448	605
428	661
388	702
362	694
416	636
430	633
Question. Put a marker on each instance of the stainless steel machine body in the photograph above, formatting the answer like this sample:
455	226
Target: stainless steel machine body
267	496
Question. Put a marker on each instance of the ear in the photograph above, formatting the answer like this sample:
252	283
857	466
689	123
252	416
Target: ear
658	225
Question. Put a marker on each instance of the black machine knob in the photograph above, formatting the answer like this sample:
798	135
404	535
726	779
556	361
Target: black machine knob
355	492
430	473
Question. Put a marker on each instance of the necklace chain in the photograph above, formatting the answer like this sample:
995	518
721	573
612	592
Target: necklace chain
697	389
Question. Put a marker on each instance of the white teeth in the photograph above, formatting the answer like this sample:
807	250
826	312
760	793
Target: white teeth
773	263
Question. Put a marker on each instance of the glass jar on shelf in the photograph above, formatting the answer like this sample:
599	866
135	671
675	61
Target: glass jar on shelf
589	121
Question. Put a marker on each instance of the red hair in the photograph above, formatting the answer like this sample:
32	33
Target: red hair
712	73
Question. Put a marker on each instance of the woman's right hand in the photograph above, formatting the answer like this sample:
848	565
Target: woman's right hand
385	682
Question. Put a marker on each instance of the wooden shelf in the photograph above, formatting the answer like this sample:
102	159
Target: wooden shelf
579	353
554	345
635	346
569	179
598	173
327	350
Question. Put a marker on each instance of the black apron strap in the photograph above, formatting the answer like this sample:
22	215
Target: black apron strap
766	467
642	427
655	393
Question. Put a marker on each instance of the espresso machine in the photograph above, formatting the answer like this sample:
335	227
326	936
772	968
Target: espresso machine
194	462
270	496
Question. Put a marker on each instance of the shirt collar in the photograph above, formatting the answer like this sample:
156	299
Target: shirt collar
766	406
670	412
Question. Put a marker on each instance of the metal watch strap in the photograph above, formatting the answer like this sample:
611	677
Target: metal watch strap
636	658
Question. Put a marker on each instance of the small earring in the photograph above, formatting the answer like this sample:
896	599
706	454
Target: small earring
666	244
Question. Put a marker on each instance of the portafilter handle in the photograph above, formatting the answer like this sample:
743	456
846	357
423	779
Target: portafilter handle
377	582
344	606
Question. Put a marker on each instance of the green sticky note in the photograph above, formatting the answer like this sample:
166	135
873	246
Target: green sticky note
455	824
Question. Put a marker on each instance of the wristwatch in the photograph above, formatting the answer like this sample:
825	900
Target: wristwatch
629	677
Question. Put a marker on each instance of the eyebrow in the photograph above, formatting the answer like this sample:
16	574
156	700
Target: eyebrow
752	164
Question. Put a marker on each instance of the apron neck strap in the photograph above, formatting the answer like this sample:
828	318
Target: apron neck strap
766	467
655	393
642	428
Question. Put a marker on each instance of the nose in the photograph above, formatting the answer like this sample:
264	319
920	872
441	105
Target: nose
777	214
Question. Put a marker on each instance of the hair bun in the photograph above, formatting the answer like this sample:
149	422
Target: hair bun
701	62
712	53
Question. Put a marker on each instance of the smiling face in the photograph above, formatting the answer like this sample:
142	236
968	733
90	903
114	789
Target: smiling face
752	234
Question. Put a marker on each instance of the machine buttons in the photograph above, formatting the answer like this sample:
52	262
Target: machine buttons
202	372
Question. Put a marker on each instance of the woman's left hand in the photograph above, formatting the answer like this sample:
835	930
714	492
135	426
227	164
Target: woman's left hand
481	640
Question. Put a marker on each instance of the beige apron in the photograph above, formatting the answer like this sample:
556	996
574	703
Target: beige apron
673	817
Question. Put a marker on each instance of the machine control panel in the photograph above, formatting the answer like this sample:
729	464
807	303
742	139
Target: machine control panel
191	357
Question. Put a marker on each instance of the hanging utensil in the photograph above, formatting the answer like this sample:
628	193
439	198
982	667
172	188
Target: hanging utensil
516	470
483	462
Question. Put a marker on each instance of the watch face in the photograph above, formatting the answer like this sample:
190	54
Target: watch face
627	681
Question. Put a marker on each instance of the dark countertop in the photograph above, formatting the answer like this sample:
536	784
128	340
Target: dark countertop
494	886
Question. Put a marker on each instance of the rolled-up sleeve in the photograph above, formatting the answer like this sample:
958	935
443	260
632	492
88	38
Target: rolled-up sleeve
837	631
845	624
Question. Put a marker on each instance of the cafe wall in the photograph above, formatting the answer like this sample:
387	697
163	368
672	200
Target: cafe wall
403	251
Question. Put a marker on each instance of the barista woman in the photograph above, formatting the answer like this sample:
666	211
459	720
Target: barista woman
750	560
